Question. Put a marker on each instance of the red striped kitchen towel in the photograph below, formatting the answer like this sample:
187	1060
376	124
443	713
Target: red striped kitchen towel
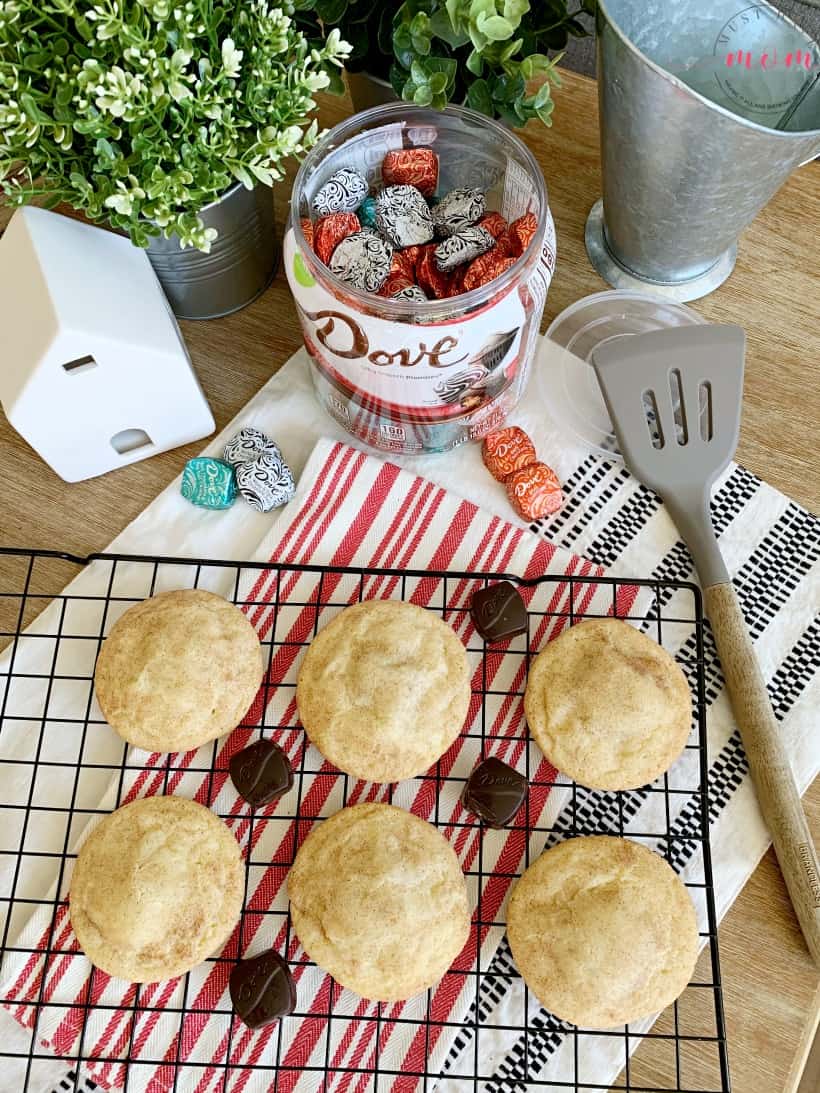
351	510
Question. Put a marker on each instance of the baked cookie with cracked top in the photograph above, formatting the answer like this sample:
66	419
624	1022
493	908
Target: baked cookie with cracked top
178	670
158	886
378	899
384	690
603	931
608	706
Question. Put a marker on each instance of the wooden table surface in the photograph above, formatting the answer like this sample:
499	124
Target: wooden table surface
770	986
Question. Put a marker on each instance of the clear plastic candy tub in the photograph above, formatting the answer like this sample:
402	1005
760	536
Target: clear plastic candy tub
411	377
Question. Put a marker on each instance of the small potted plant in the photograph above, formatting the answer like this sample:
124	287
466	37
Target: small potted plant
167	121
480	52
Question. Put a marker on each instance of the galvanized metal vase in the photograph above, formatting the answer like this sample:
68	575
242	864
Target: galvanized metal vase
706	107
240	266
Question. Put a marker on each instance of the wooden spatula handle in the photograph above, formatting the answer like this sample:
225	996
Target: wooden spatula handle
768	760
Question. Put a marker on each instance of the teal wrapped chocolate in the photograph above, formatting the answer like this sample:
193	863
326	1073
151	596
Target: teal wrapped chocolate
367	213
209	483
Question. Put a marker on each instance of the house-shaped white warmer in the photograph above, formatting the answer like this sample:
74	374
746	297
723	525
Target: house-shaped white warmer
93	369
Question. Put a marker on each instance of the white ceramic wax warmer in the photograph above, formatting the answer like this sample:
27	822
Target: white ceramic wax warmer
94	373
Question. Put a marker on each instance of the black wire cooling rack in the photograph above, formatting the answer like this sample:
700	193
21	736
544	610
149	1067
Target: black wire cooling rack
61	766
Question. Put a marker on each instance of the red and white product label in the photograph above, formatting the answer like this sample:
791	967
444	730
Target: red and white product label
392	383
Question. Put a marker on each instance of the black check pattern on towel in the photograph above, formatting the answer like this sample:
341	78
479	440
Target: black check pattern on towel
606	494
69	1084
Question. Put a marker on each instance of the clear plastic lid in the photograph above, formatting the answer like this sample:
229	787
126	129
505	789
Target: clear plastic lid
565	375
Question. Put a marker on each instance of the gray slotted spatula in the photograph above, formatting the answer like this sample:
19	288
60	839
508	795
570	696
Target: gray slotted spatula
674	397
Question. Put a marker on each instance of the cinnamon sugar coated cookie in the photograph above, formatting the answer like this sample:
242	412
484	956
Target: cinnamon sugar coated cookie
384	689
378	899
178	670
603	931
607	705
158	886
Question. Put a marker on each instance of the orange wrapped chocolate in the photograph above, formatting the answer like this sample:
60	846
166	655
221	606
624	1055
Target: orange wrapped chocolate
410	257
395	283
431	280
504	247
507	451
403	265
521	232
330	230
306	225
411	167
485	268
457	281
534	491
494	223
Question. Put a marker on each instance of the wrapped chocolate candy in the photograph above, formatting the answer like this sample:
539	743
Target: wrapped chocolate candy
403	264
409	258
362	260
462	247
208	483
403	216
507	451
457	280
367	212
247	445
521	232
434	282
458	209
534	491
411	292
330	230
411	167
495	224
266	483
343	192
395	283
504	247
485	268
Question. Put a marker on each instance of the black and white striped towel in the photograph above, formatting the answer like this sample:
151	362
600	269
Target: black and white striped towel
772	548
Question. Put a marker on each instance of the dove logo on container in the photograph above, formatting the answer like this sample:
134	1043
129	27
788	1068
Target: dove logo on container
409	387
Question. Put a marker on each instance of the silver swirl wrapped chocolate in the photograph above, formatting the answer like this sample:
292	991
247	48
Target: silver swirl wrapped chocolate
267	482
403	216
362	260
458	209
412	293
343	192
247	445
465	245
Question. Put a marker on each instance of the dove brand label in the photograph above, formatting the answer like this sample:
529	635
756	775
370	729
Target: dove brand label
408	387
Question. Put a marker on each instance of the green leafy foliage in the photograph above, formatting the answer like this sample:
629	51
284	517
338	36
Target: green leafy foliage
138	113
482	52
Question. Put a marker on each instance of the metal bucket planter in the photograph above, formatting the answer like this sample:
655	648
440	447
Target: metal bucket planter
240	266
705	112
